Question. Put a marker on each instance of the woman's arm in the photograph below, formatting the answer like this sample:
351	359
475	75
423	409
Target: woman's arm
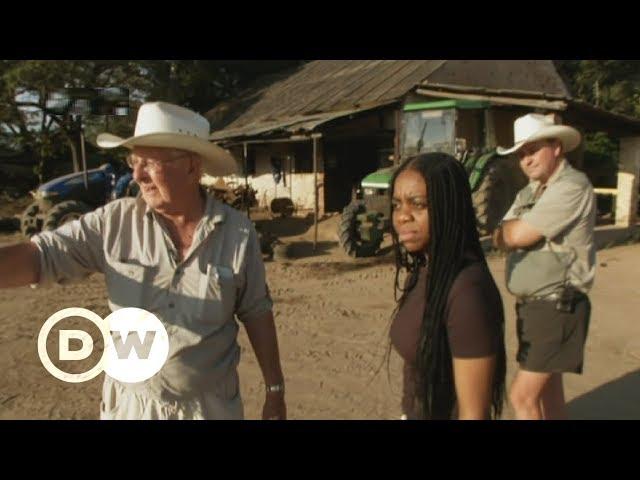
473	378
474	326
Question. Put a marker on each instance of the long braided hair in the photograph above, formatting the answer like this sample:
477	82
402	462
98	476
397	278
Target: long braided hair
453	234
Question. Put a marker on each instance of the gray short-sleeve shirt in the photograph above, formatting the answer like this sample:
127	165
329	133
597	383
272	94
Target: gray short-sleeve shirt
222	278
565	214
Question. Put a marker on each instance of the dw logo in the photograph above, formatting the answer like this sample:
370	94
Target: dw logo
136	345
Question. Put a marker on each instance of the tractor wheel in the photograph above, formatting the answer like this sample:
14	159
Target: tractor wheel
65	212
348	232
495	194
29	223
283	206
132	189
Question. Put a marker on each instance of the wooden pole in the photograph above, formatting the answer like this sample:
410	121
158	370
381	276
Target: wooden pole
246	180
84	157
315	193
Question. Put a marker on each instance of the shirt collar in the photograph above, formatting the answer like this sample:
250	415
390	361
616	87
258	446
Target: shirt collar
214	211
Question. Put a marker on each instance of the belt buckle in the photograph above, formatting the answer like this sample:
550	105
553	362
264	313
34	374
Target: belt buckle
551	297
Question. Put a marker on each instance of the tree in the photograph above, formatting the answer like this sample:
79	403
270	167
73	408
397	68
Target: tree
613	85
27	123
200	84
610	84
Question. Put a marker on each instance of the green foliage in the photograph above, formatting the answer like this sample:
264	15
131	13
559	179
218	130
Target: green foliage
52	138
601	159
613	85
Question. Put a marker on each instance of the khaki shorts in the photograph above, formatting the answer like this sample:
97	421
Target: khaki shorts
123	403
550	340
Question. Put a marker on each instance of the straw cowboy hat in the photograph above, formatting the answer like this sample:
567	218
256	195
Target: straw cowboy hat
161	124
220	185
534	126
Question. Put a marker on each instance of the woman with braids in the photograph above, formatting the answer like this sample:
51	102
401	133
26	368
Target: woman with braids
449	323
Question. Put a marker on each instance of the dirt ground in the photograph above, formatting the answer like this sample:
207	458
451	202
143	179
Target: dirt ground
332	315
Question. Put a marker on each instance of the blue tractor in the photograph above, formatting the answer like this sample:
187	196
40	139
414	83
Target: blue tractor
67	198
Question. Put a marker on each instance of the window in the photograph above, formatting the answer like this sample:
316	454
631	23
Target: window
303	154
251	160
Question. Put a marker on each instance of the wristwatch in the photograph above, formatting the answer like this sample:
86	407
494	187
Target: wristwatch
275	388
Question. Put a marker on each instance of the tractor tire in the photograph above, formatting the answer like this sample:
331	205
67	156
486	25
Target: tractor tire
282	252
29	224
348	234
496	193
132	189
283	206
266	240
64	212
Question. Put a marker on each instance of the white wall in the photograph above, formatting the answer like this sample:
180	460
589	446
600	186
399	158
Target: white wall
627	199
299	186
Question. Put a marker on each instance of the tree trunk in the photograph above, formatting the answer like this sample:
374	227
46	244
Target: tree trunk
40	169
71	136
74	154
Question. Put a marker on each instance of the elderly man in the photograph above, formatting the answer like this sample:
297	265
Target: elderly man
192	261
548	233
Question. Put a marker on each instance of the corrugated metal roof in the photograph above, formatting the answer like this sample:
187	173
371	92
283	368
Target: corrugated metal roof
329	86
535	76
334	86
305	123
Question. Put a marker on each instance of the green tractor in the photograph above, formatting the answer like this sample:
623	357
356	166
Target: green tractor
457	127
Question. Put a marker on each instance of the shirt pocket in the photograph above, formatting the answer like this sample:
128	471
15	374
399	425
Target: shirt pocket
217	295
125	284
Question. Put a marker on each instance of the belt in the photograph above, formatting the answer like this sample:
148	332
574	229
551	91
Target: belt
552	297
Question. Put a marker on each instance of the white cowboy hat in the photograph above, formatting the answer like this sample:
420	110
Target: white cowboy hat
534	126
161	124
220	185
